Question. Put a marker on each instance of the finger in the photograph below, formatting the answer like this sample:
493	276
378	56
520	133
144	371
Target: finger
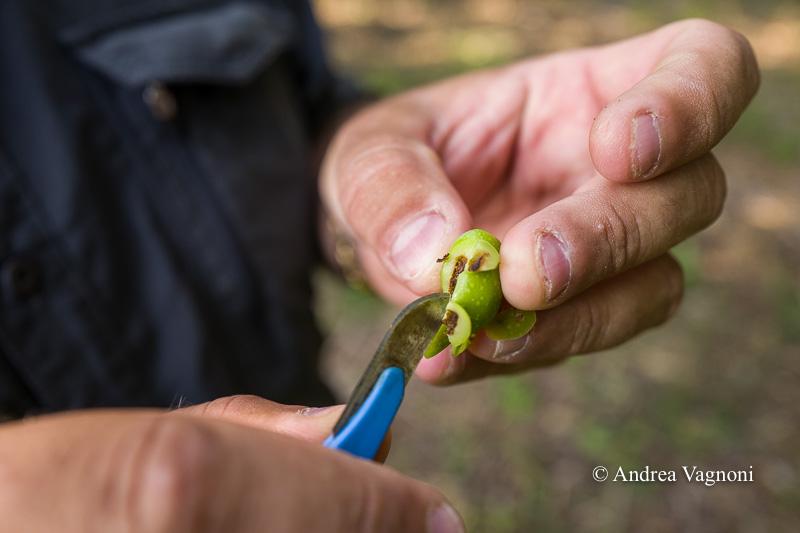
604	229
138	471
390	288
307	423
312	424
703	76
604	316
309	488
390	191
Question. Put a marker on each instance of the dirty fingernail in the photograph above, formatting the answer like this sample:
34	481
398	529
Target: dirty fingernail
417	245
553	255
645	145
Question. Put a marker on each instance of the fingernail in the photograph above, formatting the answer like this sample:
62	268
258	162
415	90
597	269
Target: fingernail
417	245
553	255
510	350
445	519
645	145
317	411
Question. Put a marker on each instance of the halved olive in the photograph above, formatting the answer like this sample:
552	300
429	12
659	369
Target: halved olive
471	276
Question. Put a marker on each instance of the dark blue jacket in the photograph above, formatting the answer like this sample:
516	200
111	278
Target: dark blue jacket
157	201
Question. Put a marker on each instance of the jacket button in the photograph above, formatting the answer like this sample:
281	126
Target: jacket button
160	100
21	277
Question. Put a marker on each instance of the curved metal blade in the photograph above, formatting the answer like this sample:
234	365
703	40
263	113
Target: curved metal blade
402	346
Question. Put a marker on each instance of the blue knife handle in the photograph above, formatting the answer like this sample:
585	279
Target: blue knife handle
365	431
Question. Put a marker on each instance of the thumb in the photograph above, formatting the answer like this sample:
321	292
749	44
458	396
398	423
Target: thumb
385	186
348	494
143	471
312	424
305	423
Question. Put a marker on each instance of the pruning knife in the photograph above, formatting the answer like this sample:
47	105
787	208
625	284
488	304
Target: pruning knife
379	393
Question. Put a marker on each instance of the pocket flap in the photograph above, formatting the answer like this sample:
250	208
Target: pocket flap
223	45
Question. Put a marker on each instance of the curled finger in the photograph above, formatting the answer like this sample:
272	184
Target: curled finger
601	317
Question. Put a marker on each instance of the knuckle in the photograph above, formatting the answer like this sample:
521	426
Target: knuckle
591	327
712	31
720	82
230	405
372	176
740	53
382	164
622	232
168	463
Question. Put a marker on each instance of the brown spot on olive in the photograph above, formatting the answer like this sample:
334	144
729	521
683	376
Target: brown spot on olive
458	268
477	261
450	321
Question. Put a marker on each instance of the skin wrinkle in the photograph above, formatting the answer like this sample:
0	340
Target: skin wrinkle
148	459
714	119
360	139
566	152
130	487
680	200
218	407
706	125
380	165
623	238
593	328
526	188
524	143
590	81
469	143
440	135
486	177
116	466
582	333
646	70
722	121
367	512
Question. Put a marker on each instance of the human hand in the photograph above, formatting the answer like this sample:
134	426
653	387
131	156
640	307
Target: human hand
234	465
585	226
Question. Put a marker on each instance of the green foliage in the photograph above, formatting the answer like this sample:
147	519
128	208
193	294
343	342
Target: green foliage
515	398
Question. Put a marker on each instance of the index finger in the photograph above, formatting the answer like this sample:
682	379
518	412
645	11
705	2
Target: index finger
684	85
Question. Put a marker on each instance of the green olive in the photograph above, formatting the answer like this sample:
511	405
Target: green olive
510	323
471	276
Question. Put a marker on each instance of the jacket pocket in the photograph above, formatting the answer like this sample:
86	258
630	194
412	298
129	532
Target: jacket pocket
223	45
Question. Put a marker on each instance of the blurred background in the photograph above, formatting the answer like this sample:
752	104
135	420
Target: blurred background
718	387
